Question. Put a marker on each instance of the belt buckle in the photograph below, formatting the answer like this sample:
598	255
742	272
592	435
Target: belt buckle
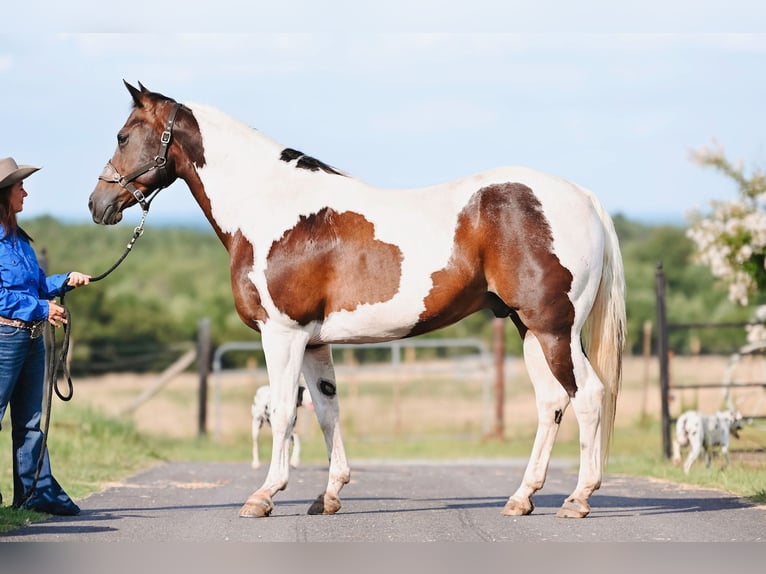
36	329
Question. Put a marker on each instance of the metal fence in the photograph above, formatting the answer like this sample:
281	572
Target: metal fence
727	384
395	363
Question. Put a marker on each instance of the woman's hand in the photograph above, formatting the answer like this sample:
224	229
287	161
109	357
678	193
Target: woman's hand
77	279
56	314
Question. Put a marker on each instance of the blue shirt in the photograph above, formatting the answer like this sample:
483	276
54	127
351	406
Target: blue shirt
24	288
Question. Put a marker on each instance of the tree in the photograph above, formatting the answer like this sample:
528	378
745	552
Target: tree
731	240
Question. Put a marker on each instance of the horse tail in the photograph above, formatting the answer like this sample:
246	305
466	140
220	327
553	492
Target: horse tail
605	328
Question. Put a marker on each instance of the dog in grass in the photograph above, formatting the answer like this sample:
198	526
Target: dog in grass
703	433
261	411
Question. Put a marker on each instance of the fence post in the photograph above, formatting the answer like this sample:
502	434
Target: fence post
203	368
662	354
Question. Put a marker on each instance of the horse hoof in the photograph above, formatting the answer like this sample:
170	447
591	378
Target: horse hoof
256	508
573	509
325	505
516	507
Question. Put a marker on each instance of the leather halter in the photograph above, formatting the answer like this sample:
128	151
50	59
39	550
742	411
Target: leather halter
111	175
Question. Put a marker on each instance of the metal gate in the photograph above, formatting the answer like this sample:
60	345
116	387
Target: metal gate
485	361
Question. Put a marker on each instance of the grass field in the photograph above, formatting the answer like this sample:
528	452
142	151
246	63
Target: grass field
421	415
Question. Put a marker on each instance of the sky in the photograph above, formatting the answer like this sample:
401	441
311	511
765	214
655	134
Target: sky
401	94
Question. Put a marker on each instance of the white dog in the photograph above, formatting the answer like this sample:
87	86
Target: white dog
700	432
261	410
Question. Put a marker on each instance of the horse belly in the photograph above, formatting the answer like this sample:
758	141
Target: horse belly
369	323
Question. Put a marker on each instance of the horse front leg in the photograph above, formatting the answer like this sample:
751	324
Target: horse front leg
284	355
552	401
319	374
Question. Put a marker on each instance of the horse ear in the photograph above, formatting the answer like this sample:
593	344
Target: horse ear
135	93
143	89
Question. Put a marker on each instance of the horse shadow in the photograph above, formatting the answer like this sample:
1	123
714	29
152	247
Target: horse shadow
603	506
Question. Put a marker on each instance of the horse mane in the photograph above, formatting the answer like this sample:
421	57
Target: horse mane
307	162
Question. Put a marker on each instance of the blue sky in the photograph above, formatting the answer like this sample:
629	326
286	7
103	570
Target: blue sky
401	94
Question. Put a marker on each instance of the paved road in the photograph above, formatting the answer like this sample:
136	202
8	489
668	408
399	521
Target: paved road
403	501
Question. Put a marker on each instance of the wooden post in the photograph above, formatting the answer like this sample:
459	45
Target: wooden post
203	369
663	355
499	340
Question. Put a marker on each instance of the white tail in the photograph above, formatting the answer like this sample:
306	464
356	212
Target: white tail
605	329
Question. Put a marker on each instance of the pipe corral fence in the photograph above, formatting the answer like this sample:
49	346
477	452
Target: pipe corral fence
486	366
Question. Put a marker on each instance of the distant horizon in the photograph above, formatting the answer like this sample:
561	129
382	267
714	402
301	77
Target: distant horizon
198	221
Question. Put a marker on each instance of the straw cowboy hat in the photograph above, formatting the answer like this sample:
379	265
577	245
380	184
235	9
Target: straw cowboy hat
11	172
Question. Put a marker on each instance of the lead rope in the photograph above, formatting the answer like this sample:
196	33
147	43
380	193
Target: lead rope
53	364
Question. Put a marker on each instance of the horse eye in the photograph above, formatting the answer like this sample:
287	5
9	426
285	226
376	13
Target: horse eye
122	139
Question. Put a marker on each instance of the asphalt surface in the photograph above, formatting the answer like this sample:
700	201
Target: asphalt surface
398	502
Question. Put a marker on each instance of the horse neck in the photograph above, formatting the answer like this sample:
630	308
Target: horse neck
244	185
232	150
230	144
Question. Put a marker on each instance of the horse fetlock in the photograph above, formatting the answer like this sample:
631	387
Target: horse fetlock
343	477
518	507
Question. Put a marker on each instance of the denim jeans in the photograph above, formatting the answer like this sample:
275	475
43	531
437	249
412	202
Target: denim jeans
22	373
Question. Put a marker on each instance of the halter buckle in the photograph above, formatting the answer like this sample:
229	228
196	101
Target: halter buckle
165	137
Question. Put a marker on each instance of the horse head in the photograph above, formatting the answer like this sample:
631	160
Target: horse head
145	160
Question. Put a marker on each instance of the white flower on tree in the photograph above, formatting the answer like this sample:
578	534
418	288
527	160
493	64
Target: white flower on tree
731	240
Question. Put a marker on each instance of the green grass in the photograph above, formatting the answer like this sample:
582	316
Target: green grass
637	451
89	450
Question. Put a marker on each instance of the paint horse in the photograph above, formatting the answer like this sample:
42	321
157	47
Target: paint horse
319	257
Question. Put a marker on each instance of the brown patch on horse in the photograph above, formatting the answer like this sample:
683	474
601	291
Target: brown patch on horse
187	134
247	299
331	262
502	259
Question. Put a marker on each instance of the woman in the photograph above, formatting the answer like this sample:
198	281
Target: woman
25	305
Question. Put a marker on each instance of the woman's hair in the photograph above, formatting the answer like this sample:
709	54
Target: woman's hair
8	216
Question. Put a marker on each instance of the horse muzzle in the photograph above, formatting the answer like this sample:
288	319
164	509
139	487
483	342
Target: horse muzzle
105	210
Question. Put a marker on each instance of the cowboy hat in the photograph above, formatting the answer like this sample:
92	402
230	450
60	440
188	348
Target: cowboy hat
11	172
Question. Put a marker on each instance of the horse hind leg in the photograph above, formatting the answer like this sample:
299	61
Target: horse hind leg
552	401
319	374
587	406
